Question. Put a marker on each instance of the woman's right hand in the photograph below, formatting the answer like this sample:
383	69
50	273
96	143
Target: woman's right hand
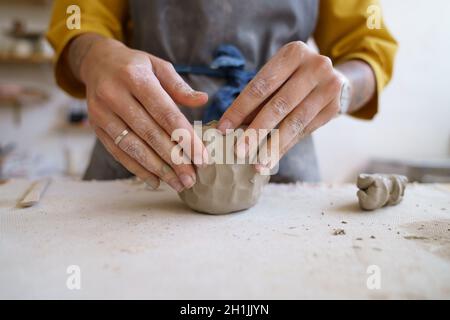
132	90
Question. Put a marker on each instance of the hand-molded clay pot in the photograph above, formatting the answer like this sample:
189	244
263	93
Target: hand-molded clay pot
224	188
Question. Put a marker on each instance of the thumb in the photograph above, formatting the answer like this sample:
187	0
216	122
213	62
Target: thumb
175	86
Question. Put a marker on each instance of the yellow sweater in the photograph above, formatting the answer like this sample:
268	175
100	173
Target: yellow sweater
342	33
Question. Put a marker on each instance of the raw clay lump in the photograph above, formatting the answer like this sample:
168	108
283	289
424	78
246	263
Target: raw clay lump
224	188
379	190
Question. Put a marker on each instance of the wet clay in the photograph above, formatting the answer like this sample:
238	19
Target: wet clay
379	190
224	188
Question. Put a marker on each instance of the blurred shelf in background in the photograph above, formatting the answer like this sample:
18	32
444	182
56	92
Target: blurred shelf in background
417	170
34	58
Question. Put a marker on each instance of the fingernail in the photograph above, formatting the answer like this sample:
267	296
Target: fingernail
176	184
241	149
262	169
187	180
224	125
264	164
197	94
152	183
259	167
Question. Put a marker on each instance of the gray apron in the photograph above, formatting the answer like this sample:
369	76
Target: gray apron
187	32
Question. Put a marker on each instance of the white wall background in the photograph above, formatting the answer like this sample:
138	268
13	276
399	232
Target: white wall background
414	117
413	123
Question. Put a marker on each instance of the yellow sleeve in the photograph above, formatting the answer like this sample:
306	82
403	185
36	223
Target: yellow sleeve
343	34
104	17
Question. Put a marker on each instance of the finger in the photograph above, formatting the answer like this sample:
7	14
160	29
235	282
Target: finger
292	130
325	115
148	130
294	91
165	112
299	119
295	121
290	95
132	145
272	75
129	163
175	86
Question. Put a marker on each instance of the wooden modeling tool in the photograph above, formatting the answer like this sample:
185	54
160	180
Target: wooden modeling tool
34	193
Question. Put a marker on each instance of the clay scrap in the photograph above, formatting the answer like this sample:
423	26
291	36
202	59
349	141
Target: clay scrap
379	190
223	188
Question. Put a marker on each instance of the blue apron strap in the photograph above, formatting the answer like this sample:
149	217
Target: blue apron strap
228	64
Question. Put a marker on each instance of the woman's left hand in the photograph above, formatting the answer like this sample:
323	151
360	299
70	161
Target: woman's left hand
297	91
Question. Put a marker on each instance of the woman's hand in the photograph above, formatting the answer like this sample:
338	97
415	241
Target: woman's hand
131	90
297	91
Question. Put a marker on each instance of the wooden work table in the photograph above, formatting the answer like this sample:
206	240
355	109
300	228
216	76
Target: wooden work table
129	242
